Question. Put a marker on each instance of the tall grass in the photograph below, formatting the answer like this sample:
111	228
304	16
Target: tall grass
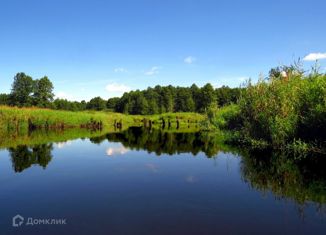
19	120
280	112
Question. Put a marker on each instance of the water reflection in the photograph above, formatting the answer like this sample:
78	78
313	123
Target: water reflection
301	180
23	157
171	143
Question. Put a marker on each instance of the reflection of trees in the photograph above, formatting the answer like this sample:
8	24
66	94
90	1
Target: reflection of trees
23	157
301	180
166	142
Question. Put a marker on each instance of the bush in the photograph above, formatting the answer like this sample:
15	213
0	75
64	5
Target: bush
278	110
226	117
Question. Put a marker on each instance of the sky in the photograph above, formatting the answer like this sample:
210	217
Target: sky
104	48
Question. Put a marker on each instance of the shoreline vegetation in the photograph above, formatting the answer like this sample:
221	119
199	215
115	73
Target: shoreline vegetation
285	110
15	120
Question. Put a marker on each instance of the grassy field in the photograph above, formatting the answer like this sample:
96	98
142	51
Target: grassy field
20	120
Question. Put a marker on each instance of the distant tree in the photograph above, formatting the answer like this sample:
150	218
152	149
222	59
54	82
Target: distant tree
140	104
96	103
21	90
4	99
167	101
62	104
184	101
112	102
207	97
82	105
152	98
195	91
43	94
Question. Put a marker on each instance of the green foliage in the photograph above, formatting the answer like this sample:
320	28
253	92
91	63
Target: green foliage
175	99
21	90
226	95
15	119
278	110
4	99
43	94
225	118
207	97
27	92
112	103
96	103
63	104
301	179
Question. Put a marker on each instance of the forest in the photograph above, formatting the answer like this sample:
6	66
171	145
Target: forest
27	92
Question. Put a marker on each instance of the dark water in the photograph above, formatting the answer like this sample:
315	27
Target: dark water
149	182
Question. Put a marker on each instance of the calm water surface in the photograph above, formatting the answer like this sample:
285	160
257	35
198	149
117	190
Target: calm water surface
149	182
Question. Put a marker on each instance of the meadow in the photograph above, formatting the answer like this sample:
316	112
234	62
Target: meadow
22	120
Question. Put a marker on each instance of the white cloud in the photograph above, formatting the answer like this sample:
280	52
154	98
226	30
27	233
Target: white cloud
64	95
154	70
190	60
120	70
315	56
115	87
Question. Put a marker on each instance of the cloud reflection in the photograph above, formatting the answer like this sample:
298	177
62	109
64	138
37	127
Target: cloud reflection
111	151
61	145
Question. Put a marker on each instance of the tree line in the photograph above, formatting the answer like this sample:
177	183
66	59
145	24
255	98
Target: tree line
28	92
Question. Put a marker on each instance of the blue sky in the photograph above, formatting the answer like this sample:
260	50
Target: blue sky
103	48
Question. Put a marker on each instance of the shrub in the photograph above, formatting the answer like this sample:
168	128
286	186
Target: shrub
280	110
226	117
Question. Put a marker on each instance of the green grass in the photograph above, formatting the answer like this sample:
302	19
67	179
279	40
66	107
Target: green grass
16	120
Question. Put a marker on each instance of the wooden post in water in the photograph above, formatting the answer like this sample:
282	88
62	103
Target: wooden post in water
163	123
178	123
145	122
120	124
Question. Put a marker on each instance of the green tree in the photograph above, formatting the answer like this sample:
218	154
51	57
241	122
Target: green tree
96	103
152	98
112	102
167	102
140	105
184	101
195	91
207	97
43	94
21	90
4	99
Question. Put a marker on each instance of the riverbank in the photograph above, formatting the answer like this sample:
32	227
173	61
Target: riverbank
22	120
